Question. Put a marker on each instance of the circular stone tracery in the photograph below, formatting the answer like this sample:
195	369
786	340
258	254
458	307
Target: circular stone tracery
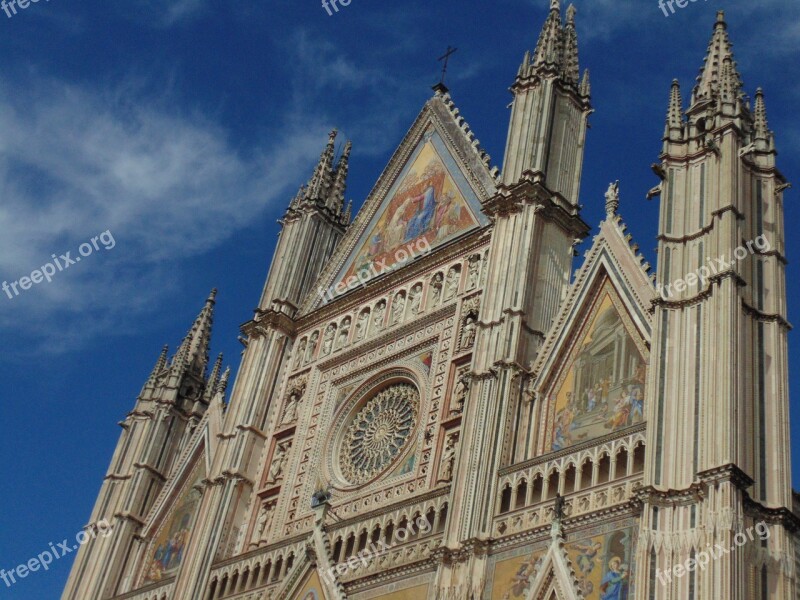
379	432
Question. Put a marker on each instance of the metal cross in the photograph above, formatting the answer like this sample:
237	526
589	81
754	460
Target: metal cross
446	59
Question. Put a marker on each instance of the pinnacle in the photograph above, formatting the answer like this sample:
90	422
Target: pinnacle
760	115
713	75
193	351
557	48
327	184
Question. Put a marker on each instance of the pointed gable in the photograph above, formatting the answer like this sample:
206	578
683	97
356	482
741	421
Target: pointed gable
555	578
591	369
429	194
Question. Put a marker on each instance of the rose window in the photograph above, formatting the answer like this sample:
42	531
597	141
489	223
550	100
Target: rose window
379	432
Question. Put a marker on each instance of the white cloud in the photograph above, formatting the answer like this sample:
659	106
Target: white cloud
169	185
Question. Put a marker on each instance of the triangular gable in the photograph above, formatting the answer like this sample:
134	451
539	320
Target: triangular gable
313	576
171	520
555	578
591	369
170	528
310	588
429	194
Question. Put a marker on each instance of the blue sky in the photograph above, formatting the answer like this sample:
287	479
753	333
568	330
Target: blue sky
184	128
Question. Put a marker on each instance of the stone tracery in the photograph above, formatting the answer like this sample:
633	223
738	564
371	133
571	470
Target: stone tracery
379	432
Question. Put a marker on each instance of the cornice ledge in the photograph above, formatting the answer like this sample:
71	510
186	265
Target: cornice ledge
780	516
269	319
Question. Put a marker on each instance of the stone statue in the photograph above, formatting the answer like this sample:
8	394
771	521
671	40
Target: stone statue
301	350
451	285
361	325
468	333
473	275
612	198
344	333
327	340
436	289
312	346
448	459
380	311
559	506
461	391
416	299
290	412
278	463
397	308
263	523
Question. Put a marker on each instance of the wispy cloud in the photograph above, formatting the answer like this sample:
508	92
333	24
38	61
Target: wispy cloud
167	182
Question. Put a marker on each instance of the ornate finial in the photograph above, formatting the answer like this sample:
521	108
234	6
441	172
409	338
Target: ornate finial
586	86
212	297
222	386
612	199
720	19
571	11
555	5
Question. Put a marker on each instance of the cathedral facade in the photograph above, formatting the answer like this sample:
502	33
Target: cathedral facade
433	404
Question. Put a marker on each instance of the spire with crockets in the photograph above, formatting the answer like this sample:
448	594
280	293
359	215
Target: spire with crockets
193	351
550	110
718	99
326	189
557	49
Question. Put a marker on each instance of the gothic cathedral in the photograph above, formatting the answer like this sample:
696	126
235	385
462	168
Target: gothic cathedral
432	404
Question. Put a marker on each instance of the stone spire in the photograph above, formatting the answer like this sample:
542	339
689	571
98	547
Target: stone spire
720	50
586	86
549	48
321	182
336	200
222	386
193	352
161	363
213	379
674	128
569	65
760	115
548	91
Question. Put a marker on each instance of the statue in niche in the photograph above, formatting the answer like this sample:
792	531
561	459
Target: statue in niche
300	353
344	333
484	262
448	458
278	463
468	332
451	285
436	289
327	340
473	275
262	525
380	311
397	308
290	412
461	390
415	298
361	325
312	346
